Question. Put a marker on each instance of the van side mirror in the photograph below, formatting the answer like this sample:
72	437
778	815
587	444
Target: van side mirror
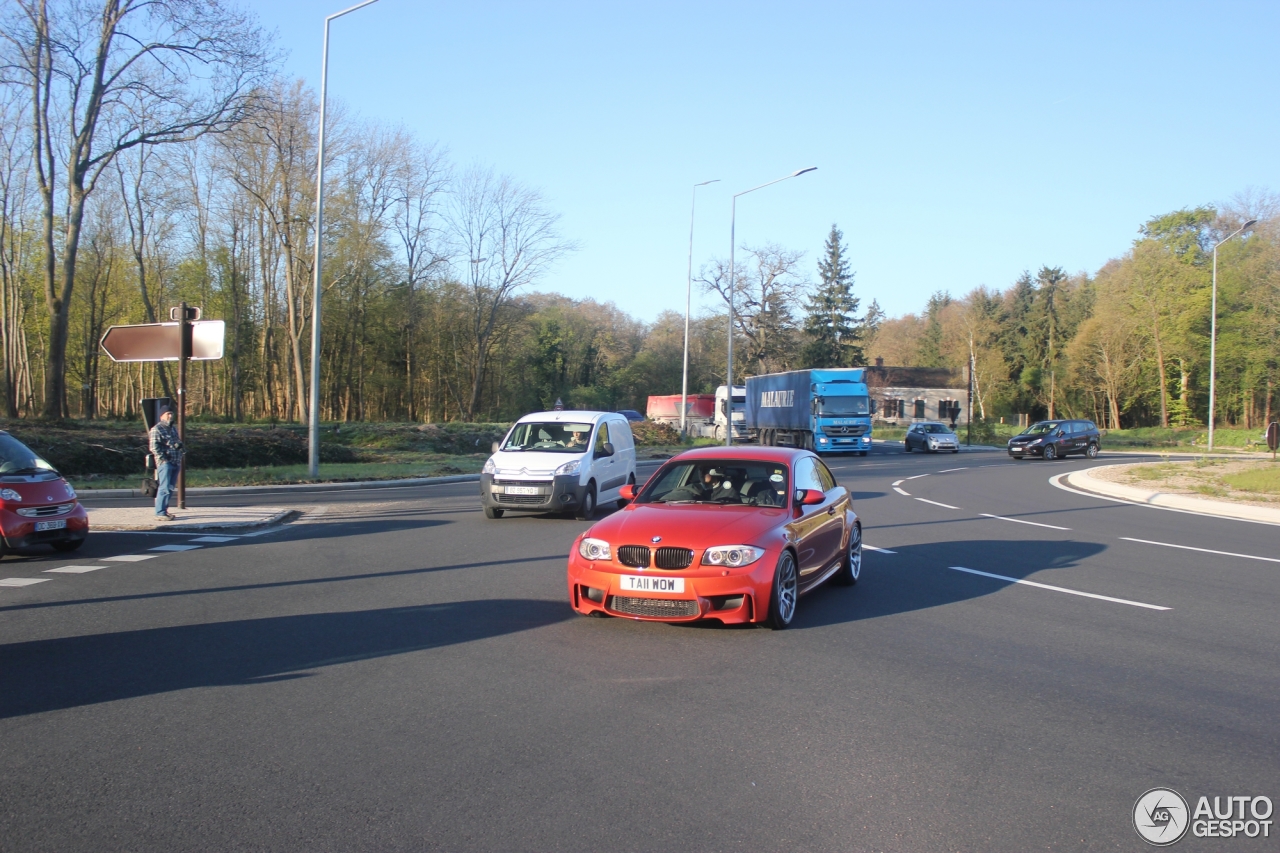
496	445
608	450
627	492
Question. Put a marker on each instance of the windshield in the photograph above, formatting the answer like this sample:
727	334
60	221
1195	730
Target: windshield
845	405
549	436
935	429
719	481
17	458
1042	428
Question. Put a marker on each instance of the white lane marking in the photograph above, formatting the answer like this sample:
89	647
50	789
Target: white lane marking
1201	550
879	550
1020	521
1061	589
949	470
262	532
175	548
75	570
917	476
899	491
935	503
897	483
22	581
129	558
1055	481
215	539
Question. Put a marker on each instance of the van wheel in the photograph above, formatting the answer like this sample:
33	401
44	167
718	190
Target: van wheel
492	512
631	481
588	507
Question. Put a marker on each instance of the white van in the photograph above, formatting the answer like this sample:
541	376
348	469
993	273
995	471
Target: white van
559	462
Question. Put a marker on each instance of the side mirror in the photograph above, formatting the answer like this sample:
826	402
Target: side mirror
809	497
608	449
875	406
496	445
627	492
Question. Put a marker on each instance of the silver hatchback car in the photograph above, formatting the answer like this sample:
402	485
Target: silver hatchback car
930	436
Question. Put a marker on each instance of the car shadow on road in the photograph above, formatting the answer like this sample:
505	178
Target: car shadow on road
48	675
918	577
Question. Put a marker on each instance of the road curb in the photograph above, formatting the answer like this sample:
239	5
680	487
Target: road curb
292	487
1084	481
284	515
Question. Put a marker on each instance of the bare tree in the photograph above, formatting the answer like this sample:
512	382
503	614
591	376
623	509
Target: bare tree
104	80
510	240
766	286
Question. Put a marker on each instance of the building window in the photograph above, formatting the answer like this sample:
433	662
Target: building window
919	413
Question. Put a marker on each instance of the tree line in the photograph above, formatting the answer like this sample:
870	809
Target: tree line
150	153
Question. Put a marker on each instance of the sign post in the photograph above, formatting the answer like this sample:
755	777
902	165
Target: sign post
1273	438
187	338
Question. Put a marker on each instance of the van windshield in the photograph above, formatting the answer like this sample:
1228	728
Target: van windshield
549	437
17	458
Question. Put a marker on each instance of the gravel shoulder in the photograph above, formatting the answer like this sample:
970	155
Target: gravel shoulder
1253	482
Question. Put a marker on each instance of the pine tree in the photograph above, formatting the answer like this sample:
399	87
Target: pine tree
833	331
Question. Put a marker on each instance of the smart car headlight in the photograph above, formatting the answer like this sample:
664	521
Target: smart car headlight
71	493
10	495
594	549
569	467
731	555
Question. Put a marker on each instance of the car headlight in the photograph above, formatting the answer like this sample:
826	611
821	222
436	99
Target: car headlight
71	493
1034	443
731	555
594	549
489	467
10	495
569	468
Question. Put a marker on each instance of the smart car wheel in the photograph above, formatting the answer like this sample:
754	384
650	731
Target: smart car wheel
588	507
851	566
492	512
782	603
1092	451
1050	453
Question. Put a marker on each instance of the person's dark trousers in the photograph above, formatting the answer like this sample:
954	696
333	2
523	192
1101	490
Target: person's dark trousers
164	487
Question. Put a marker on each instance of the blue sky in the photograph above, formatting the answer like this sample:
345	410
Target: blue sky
957	144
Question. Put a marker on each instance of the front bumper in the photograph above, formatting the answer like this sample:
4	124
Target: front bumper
732	596
1025	450
557	494
20	532
843	443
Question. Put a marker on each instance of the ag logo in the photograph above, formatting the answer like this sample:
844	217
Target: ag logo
1160	816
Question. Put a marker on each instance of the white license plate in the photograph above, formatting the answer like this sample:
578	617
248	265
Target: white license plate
51	525
522	490
654	583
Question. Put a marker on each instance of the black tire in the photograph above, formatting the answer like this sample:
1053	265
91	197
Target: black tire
1050	453
906	446
588	507
955	450
631	481
786	590
851	566
67	546
1091	451
492	512
862	452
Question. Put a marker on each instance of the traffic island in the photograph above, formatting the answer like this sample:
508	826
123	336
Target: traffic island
191	520
1178	485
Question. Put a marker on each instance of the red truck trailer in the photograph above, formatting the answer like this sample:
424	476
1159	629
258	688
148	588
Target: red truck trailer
699	409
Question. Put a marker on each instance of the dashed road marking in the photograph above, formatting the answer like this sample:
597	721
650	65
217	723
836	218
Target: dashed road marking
949	470
75	570
917	476
129	558
897	483
22	581
935	503
878	550
899	491
1061	589
1020	521
1202	550
176	548
215	539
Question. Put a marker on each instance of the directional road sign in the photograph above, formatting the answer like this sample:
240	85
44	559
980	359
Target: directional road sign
161	341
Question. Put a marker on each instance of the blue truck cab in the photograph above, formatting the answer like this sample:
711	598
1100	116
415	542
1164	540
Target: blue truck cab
824	410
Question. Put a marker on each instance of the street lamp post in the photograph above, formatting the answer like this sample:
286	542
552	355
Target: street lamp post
313	425
733	221
688	293
1213	328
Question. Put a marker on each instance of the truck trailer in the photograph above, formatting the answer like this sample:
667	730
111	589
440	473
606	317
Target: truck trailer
824	410
700	410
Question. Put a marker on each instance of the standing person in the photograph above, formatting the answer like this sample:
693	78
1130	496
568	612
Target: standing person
167	448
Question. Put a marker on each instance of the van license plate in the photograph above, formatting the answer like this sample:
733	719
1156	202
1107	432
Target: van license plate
522	490
631	583
51	525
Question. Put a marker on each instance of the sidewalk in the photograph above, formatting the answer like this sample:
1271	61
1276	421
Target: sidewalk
1084	481
189	520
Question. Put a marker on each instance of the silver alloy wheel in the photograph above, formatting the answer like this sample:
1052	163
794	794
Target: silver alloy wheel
1050	452
1092	452
785	584
855	552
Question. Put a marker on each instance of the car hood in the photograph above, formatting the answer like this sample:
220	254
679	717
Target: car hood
690	526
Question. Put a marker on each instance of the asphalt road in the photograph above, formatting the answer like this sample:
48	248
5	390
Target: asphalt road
400	673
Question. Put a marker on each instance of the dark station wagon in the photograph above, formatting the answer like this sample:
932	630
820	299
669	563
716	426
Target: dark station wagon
1055	439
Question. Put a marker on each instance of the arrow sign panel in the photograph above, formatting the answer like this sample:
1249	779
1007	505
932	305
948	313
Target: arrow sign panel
160	342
